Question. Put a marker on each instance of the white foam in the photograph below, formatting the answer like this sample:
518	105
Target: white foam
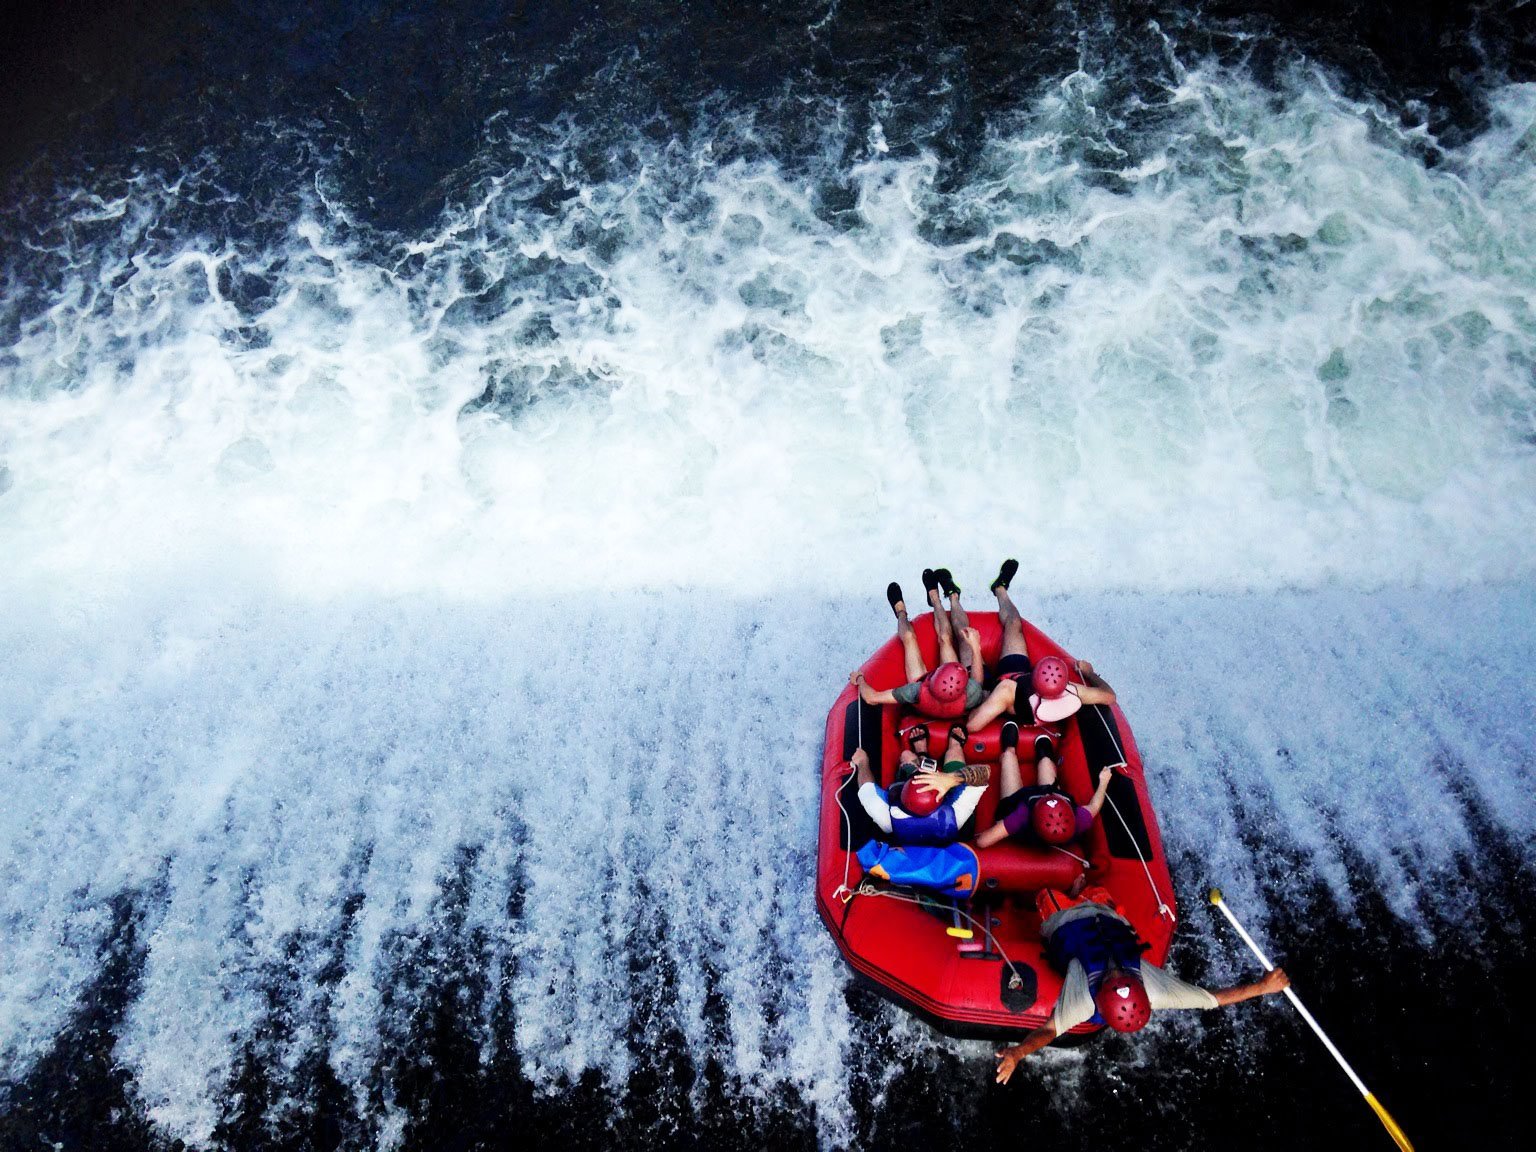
1281	351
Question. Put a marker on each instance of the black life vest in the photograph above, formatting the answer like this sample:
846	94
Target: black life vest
1098	942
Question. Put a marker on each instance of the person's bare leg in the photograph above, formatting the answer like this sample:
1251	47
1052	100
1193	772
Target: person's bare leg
1013	624
1045	760
912	655
954	746
942	630
916	738
970	647
958	620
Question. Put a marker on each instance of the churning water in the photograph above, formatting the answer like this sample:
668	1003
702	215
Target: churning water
419	626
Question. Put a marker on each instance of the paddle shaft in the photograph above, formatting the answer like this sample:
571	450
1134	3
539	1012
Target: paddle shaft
1393	1130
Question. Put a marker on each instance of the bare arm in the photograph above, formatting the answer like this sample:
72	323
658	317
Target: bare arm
992	707
969	776
871	799
860	762
1093	805
1275	980
1008	1059
1095	689
868	694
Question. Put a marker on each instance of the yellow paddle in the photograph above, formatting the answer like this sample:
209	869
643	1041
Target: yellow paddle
1390	1124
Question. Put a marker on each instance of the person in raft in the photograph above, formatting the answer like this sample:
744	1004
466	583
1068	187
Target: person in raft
1041	812
1054	696
1105	979
950	690
923	807
916	851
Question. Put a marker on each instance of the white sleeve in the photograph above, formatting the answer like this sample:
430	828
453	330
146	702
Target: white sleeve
872	797
1165	990
968	801
1074	1005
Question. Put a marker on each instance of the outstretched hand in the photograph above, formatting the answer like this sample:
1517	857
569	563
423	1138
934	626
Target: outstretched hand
1275	980
1105	773
1007	1061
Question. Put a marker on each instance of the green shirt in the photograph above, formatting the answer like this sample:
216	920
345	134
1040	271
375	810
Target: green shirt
907	694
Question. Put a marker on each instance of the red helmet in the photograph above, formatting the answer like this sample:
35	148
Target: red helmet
1122	1001
1054	819
914	800
1051	676
947	682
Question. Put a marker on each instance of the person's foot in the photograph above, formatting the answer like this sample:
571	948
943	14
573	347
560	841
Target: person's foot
893	594
958	734
930	581
1009	736
1044	748
1005	575
918	735
946	582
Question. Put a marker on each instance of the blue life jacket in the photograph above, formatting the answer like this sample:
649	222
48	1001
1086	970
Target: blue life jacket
938	827
1098	943
951	870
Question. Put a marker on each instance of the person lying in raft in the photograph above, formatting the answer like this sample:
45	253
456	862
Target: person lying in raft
924	806
1105	979
950	690
945	869
1042	812
1040	693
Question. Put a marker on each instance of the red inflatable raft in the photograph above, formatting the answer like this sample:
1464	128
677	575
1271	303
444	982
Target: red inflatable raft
997	982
